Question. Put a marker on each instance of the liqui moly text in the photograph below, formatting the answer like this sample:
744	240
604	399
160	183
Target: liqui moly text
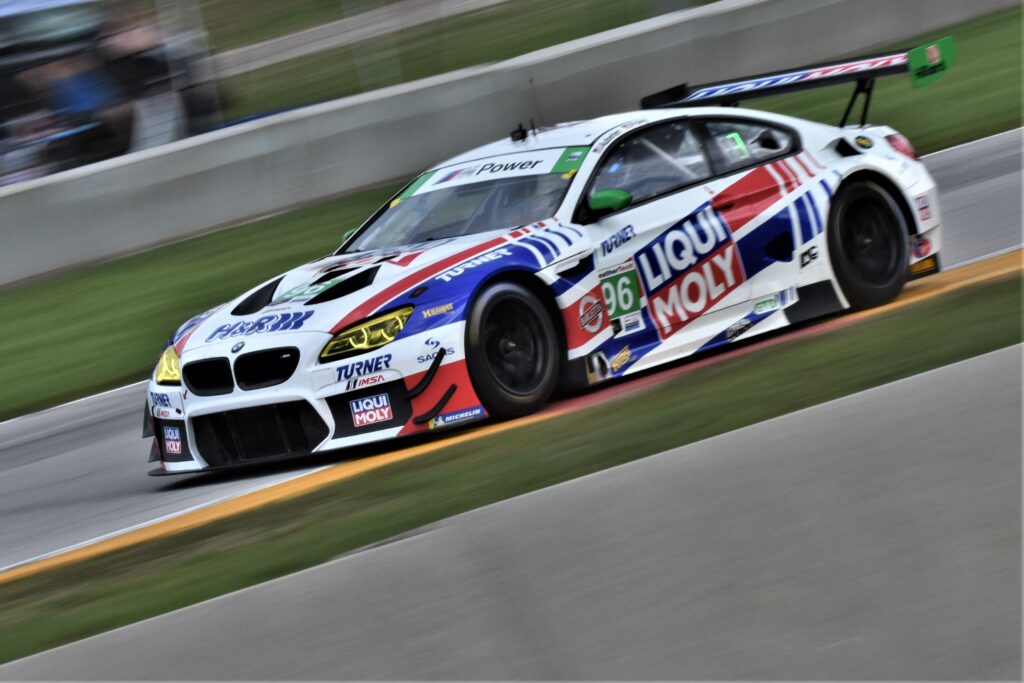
688	269
370	410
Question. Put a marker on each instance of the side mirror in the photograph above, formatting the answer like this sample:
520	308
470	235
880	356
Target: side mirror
604	202
348	233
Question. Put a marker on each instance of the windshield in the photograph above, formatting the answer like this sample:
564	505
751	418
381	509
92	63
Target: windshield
480	196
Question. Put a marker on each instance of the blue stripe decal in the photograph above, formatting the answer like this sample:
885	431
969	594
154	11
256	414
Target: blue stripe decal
723	336
817	213
527	253
828	190
552	231
570	228
543	247
563	284
563	230
812	217
806	229
795	226
753	246
550	244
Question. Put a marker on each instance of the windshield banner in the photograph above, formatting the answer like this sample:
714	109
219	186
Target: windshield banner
537	162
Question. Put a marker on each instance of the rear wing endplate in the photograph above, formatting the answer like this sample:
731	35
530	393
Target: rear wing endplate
863	71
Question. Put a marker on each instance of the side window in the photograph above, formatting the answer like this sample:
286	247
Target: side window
653	161
739	144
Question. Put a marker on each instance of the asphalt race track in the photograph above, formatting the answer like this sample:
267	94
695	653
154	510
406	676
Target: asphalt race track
869	537
76	473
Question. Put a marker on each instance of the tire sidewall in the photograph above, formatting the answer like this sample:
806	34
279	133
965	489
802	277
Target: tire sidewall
496	399
858	292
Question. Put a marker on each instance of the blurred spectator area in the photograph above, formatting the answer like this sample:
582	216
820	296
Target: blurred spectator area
86	80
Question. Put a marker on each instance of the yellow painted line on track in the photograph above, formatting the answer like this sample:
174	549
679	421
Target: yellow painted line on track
916	291
948	281
271	494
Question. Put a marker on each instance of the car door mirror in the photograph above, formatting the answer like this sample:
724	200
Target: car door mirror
348	233
610	200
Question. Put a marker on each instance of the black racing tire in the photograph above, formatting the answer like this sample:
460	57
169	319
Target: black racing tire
867	244
511	350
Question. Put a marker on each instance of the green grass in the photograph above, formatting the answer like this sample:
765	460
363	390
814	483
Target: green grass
85	331
980	95
493	34
66	604
234	23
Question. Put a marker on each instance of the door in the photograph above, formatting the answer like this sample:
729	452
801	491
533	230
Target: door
755	197
666	259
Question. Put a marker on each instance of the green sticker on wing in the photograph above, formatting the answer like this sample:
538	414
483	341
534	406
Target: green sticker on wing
571	159
931	60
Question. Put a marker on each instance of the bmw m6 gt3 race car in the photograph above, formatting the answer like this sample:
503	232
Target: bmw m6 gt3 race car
577	253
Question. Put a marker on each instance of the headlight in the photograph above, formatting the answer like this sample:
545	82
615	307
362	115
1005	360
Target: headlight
372	334
167	369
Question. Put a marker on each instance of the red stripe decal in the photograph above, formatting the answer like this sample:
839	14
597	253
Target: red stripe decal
787	175
389	293
816	162
448	374
794	169
746	198
807	170
180	345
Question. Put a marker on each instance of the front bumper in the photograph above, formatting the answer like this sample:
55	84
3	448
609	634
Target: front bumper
408	387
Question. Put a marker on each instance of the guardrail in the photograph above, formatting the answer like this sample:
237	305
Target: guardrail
270	165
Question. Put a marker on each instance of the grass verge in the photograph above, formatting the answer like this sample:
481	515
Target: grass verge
236	23
489	35
96	595
979	96
84	331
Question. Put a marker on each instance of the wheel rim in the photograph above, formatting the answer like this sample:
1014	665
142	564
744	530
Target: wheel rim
870	242
514	347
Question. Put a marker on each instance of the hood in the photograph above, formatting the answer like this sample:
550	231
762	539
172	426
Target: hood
320	295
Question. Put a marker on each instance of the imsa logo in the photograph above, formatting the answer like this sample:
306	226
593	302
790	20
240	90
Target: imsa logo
362	382
370	410
688	269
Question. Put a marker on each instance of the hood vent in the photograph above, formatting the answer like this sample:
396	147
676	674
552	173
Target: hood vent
331	274
258	300
363	278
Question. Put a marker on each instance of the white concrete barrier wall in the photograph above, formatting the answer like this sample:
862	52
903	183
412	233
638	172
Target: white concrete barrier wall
160	195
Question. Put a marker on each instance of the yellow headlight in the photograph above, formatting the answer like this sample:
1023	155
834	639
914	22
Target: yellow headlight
372	334
167	370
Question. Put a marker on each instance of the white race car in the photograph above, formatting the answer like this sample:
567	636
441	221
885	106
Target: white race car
575	253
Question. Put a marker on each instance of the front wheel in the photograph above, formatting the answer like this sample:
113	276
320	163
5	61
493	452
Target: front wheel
511	350
867	243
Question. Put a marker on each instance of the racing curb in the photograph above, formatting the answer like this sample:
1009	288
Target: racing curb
995	268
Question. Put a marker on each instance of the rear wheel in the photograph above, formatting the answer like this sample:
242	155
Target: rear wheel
511	350
867	243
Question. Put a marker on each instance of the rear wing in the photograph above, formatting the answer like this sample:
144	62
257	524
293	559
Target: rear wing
936	58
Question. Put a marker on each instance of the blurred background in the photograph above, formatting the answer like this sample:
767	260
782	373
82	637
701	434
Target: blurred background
86	80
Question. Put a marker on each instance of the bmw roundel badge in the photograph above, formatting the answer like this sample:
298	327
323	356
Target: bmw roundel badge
237	347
